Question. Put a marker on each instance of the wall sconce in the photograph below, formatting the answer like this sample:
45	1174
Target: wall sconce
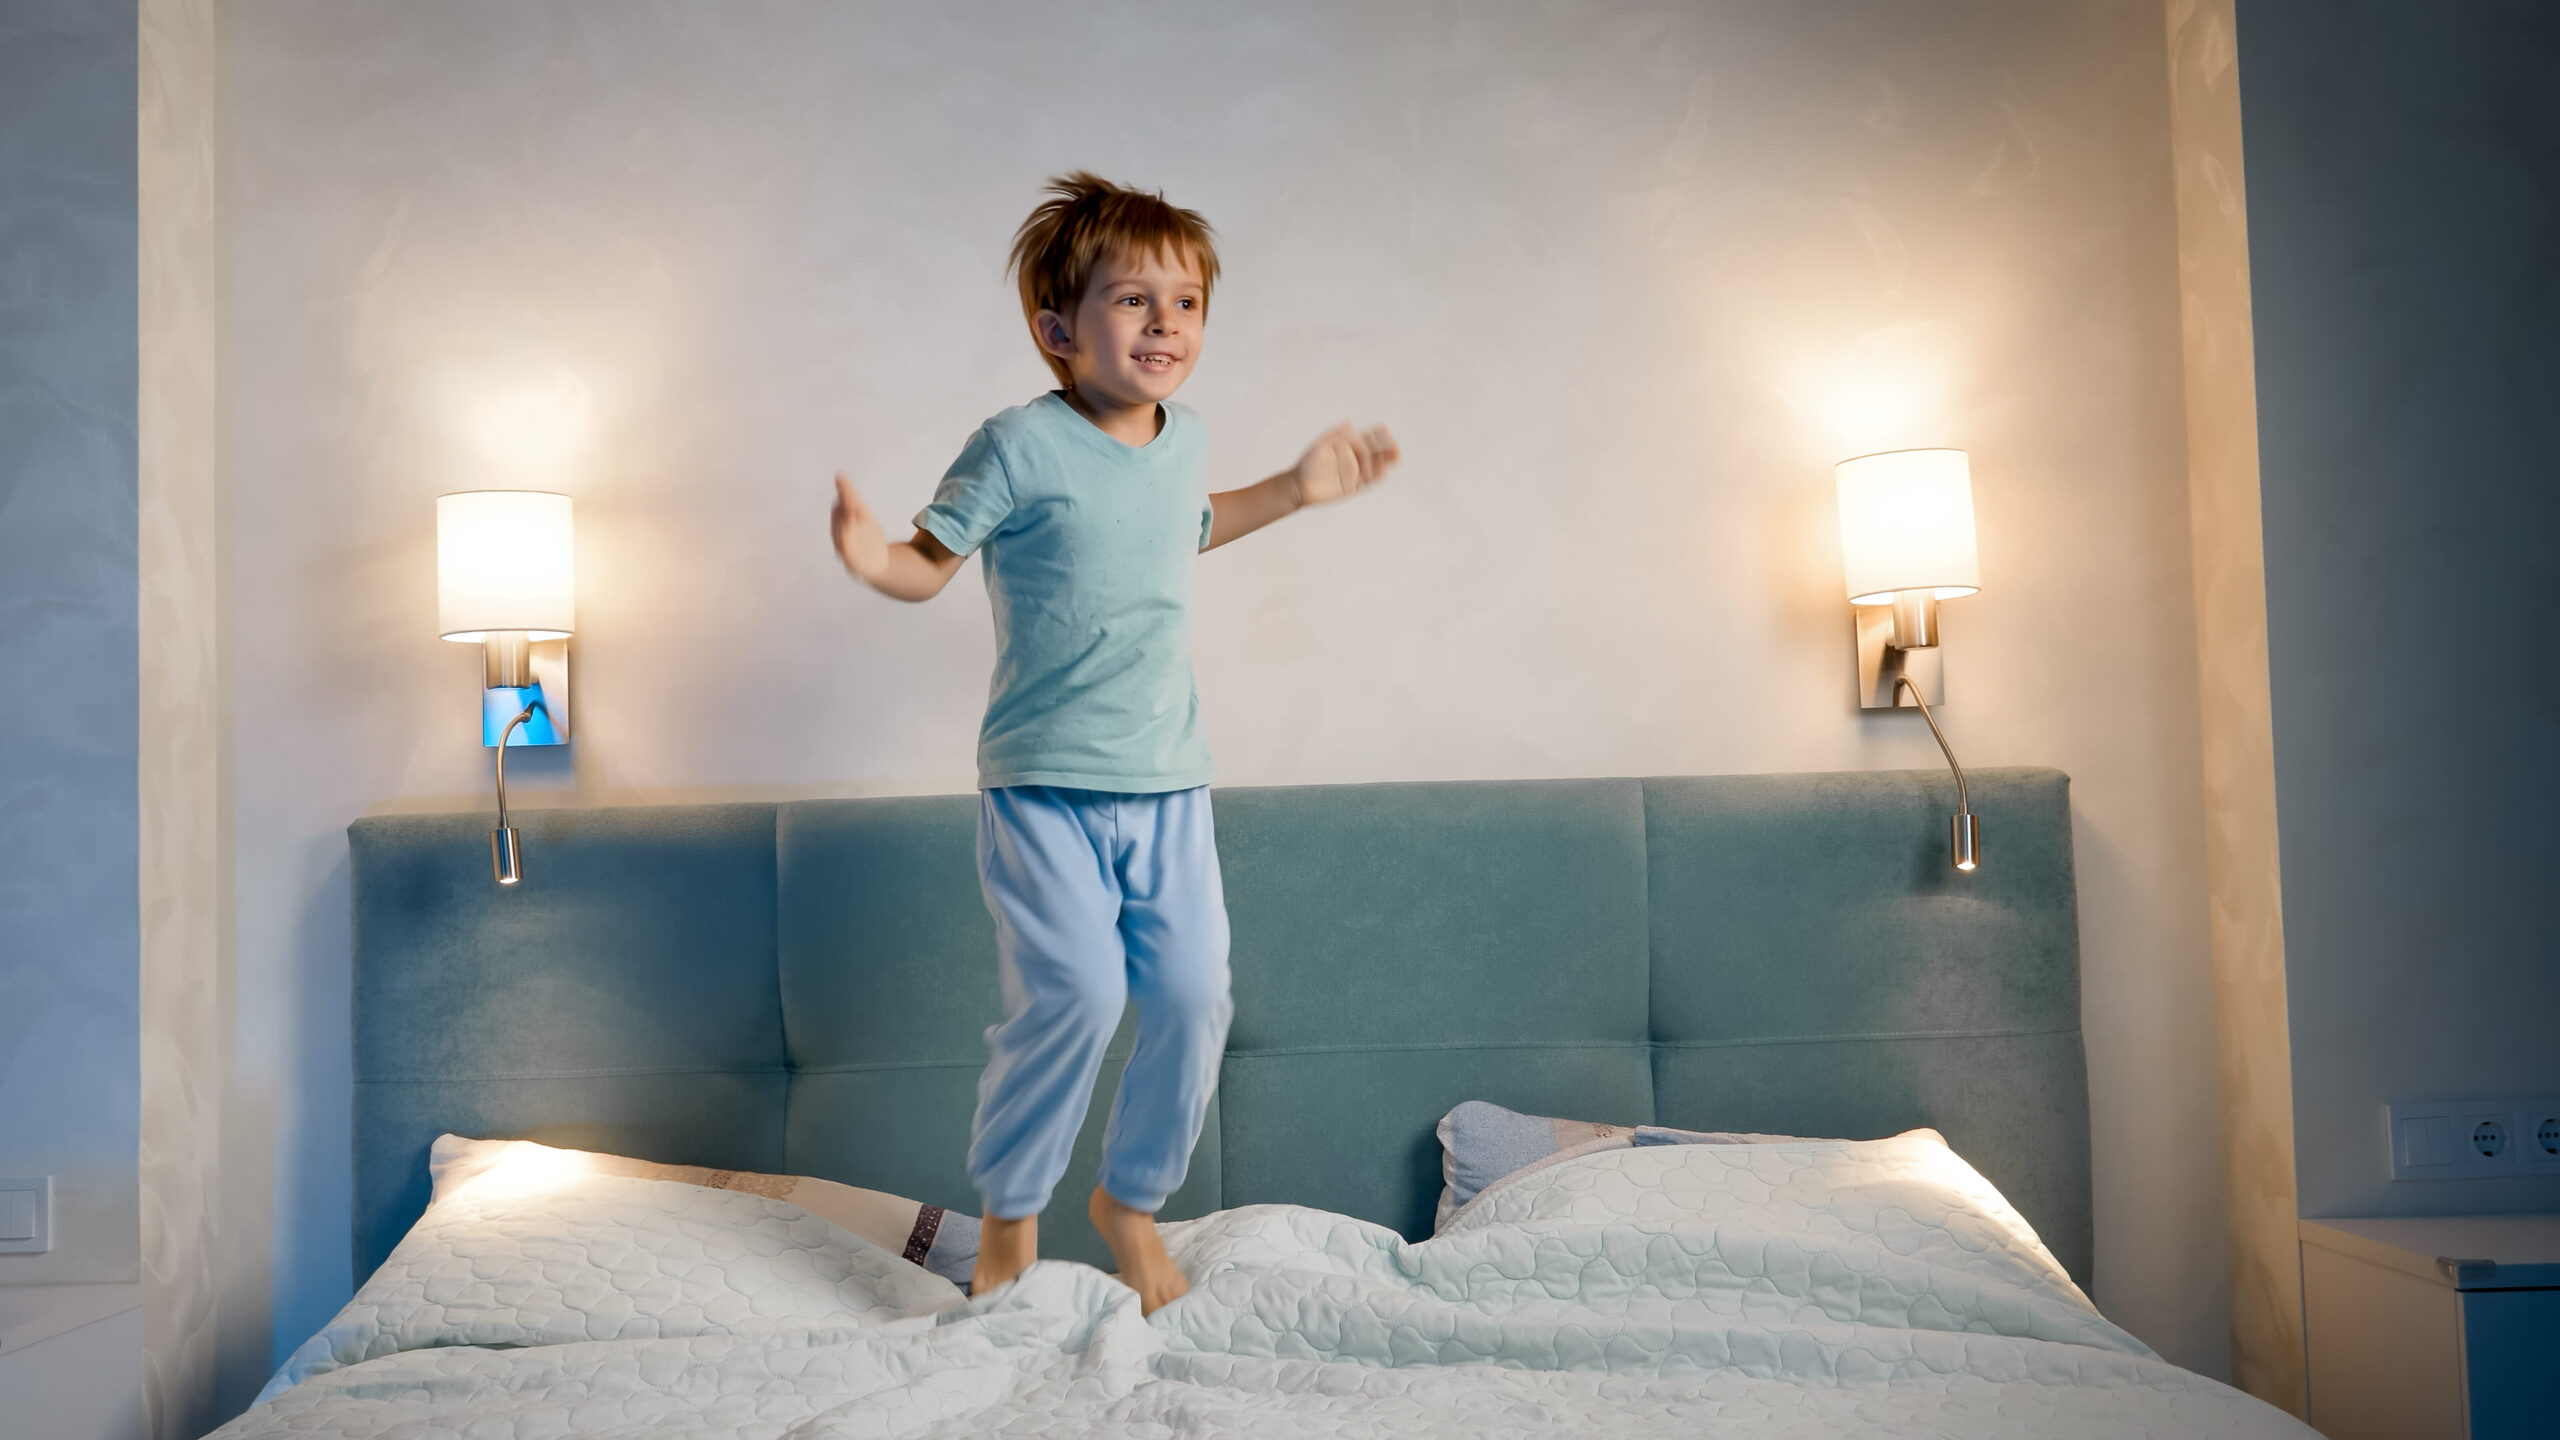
506	580
1906	537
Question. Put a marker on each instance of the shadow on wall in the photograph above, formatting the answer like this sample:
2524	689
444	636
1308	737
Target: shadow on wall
309	1226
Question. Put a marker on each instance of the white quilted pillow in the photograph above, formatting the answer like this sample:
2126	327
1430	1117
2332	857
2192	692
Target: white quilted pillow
1483	1145
535	1246
927	1235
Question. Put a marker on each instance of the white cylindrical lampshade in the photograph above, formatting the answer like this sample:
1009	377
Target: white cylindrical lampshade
1906	523
505	560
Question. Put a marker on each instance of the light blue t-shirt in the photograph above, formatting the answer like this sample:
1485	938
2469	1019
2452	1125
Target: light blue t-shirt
1088	547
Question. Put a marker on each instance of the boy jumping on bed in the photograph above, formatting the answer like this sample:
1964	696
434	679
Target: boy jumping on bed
1095	850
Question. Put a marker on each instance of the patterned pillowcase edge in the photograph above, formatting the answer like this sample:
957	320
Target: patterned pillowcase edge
1518	1129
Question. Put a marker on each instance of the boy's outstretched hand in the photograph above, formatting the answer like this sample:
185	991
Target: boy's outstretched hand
860	542
1343	462
910	570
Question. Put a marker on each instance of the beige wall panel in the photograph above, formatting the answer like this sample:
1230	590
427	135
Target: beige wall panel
2239	744
183	838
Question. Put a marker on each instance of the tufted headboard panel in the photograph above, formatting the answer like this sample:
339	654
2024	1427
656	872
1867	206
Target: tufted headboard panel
802	987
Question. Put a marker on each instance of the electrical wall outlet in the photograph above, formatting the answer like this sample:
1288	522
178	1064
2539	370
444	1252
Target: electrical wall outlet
26	1215
2538	1134
2474	1139
2484	1136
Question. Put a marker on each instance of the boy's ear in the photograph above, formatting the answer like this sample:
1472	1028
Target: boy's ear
1050	329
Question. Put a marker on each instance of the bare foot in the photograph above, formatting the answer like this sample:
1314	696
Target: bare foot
1006	1248
1144	1267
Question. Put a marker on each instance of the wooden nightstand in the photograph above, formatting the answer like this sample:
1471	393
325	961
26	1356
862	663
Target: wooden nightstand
2419	1328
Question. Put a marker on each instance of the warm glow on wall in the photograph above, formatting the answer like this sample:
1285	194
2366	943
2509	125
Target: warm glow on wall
1886	387
539	423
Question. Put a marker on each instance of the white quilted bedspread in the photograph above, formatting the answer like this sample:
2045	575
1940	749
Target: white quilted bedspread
1822	1289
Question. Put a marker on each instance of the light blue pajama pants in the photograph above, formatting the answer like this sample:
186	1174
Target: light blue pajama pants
1098	899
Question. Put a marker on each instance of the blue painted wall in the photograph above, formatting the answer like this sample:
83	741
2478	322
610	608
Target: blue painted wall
2403	166
68	941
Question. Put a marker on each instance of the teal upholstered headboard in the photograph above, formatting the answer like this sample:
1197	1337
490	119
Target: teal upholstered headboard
801	988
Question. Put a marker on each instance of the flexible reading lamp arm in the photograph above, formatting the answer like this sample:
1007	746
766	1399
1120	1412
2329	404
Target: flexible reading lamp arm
1962	808
1964	837
504	860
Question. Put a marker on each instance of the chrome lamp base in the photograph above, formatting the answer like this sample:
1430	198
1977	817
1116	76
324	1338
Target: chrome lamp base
519	671
1882	665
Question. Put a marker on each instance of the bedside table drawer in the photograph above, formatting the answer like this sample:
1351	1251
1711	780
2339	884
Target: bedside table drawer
2511	1354
2418	1329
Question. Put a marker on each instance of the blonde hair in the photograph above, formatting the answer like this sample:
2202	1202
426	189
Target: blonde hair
1087	220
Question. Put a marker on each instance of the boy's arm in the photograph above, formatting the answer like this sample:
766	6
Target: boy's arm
909	570
1342	462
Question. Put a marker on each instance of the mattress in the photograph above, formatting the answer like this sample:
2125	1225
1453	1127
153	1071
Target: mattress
1815	1288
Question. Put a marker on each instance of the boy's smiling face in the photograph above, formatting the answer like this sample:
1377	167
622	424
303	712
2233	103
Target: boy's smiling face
1136	334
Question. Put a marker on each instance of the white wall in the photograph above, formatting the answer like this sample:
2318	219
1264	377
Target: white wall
1626	281
68	702
2403	234
67	689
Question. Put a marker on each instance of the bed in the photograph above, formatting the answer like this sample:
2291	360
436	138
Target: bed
799	990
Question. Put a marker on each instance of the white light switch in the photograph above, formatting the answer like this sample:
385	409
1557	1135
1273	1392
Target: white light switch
26	1215
2426	1142
17	1214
